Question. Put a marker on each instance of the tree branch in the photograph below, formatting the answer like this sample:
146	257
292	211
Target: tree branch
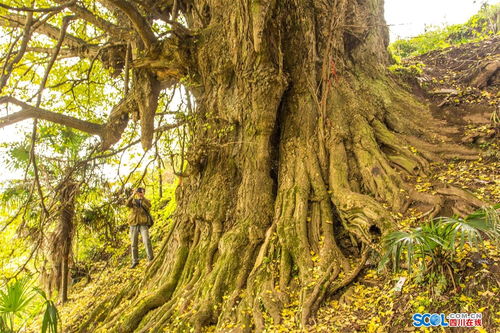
106	26
175	8
63	53
53	58
33	159
29	111
38	10
16	21
35	169
26	37
138	21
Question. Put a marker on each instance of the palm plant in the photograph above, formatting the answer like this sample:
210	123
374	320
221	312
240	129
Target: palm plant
437	239
414	244
485	221
50	319
14	301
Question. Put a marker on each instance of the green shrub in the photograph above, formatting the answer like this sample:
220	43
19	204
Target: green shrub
14	301
438	239
407	71
480	26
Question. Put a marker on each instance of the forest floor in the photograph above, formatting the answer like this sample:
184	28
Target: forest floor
457	86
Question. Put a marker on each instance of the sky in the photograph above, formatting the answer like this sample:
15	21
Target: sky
406	18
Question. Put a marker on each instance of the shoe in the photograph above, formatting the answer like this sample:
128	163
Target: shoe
134	265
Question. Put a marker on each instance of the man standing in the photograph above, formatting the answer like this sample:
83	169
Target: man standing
139	221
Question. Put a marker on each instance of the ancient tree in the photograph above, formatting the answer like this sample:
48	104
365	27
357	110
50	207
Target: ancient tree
301	145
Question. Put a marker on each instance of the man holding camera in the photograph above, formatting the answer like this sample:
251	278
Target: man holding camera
139	220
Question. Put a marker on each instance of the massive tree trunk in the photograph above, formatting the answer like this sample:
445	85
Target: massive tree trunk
300	143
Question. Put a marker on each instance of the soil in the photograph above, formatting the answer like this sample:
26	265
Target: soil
447	84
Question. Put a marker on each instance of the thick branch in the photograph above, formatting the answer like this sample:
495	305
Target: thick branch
29	111
138	21
66	52
87	15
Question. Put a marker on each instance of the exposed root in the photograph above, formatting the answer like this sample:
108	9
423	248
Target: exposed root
461	194
437	203
438	152
101	311
380	178
264	248
402	155
319	291
155	299
485	73
459	201
323	289
258	318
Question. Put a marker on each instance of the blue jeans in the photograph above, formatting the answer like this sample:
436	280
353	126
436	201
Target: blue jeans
134	235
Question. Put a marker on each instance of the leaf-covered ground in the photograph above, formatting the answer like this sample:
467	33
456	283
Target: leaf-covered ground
371	304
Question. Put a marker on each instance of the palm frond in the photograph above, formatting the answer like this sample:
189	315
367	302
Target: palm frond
439	236
416	243
16	297
485	221
50	319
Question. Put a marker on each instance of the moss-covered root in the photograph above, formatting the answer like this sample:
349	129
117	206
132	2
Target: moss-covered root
130	321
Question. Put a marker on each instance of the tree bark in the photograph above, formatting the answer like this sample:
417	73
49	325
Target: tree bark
67	212
301	145
61	241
